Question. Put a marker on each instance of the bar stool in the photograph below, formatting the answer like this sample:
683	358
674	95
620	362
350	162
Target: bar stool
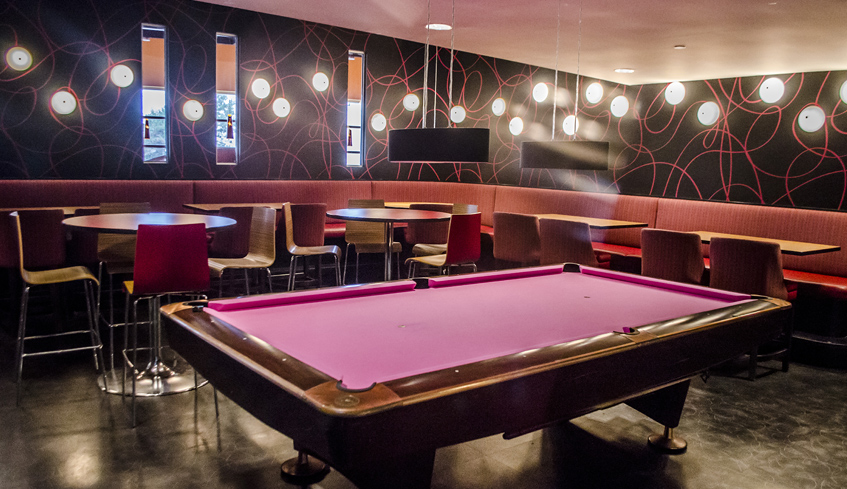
463	245
41	245
312	216
753	267
168	260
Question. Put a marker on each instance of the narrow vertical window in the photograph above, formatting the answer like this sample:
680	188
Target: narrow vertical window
153	94
355	104
226	99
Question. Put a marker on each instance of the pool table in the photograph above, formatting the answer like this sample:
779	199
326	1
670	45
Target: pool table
373	378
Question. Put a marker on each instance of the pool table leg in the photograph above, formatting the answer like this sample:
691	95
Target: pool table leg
664	406
303	470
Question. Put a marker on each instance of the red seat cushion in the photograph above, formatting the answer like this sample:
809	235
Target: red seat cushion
831	285
334	230
614	249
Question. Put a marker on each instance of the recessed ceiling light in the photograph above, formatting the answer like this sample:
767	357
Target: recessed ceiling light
624	70
679	46
438	27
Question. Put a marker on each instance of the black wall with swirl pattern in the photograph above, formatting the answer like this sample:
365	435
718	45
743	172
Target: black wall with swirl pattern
754	153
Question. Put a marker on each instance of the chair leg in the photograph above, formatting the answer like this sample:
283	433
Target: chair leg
292	268
337	269
270	283
247	281
357	267
96	342
221	284
346	256
19	356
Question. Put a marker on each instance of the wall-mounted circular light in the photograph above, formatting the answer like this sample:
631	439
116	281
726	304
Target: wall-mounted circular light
260	88
320	81
674	93
411	102
18	58
811	118
192	110
570	125
620	106
499	106
457	114
516	126
594	93
771	90
540	92
281	107
63	102
122	76
708	113
378	122
844	92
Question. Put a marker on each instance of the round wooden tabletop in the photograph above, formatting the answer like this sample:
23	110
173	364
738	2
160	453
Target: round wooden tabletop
387	215
128	223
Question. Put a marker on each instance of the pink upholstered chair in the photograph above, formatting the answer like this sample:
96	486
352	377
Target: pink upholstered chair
168	260
463	245
517	238
40	241
671	255
753	267
566	242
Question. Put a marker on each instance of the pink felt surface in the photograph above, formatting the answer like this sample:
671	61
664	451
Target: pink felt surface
376	338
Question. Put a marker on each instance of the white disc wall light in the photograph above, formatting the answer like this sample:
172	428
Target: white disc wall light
281	107
498	107
594	93
540	92
811	119
516	126
457	114
411	102
192	110
18	58
63	102
320	81
378	122
122	76
674	93
843	92
570	125
771	90
709	113
620	106
260	88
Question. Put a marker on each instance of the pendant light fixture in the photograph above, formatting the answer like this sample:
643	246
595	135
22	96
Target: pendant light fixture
569	154
439	145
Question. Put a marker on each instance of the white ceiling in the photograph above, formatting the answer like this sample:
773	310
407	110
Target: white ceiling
723	38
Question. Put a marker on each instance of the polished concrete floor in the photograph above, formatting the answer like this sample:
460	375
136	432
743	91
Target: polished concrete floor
785	430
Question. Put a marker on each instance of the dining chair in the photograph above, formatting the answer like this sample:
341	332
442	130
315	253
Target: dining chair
753	267
428	232
233	241
261	252
115	255
168	260
312	216
463	245
565	242
672	255
422	249
40	241
366	237
517	238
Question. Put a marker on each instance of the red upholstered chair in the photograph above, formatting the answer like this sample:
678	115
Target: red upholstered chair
311	225
753	267
463	245
671	255
517	238
566	242
168	260
233	241
40	241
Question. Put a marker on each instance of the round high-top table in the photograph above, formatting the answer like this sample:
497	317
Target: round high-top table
159	377
388	217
